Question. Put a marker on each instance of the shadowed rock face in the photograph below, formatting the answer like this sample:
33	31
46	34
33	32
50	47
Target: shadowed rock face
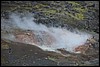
19	54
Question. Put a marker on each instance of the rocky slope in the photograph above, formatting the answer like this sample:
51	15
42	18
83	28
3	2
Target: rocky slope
83	15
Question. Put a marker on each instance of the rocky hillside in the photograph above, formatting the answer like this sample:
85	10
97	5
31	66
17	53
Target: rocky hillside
82	15
78	14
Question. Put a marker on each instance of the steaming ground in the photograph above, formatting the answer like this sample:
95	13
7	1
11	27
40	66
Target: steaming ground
64	38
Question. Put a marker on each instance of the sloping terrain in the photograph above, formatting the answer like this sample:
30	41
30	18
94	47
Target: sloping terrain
83	15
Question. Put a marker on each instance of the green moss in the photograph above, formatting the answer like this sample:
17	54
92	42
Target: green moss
78	16
2	60
52	58
73	3
80	9
39	6
49	12
13	8
27	8
90	3
6	46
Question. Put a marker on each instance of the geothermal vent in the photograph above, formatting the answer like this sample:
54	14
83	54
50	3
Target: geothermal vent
23	29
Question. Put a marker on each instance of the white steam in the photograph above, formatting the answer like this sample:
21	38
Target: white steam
64	38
